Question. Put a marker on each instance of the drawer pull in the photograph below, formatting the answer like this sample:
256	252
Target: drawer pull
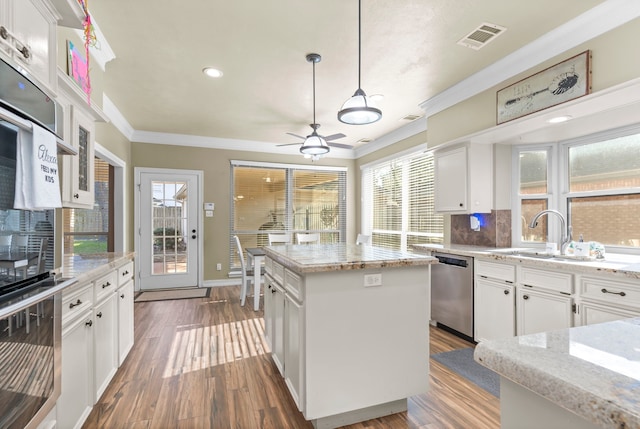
107	284
525	296
614	293
75	304
506	292
125	273
99	315
88	323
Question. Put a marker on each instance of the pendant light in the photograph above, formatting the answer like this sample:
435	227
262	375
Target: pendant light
359	109
314	145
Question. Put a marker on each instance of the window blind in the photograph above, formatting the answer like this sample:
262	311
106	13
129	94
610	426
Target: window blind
278	198
398	202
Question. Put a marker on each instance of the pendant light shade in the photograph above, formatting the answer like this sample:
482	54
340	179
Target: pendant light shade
314	145
359	109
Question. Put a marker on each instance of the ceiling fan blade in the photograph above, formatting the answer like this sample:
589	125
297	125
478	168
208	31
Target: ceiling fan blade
290	144
334	137
340	145
295	135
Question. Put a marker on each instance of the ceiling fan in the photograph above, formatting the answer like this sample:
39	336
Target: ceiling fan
314	144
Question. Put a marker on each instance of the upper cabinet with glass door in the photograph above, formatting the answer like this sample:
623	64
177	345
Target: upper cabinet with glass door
77	173
28	38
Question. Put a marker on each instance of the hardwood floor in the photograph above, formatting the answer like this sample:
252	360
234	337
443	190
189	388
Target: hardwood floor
203	363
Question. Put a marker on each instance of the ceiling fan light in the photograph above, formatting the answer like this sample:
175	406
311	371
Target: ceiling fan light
359	110
314	145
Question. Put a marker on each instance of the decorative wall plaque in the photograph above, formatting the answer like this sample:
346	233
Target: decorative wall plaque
560	83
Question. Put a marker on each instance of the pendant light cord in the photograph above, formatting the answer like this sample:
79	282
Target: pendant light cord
359	41
314	95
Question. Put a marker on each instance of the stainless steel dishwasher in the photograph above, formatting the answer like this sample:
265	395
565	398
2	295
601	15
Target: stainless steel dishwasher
452	293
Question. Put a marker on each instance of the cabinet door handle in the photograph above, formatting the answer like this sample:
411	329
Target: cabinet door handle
3	32
125	273
99	315
76	196
88	323
25	52
506	292
122	296
525	296
74	304
614	293
107	284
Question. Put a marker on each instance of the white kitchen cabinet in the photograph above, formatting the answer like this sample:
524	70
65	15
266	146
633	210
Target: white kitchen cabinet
126	287
105	343
606	300
494	309
293	348
542	311
28	39
268	309
76	398
463	179
78	170
278	327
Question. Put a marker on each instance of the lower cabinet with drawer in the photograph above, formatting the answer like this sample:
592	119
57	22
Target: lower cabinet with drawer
606	300
94	314
76	398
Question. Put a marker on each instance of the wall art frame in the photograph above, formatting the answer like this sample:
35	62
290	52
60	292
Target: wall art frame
77	67
567	80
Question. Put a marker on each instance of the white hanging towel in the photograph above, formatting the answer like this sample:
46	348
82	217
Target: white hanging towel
37	183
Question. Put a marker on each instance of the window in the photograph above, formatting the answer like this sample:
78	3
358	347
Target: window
598	189
398	202
88	231
281	198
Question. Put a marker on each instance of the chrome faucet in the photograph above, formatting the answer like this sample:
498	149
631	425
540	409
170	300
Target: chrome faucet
566	228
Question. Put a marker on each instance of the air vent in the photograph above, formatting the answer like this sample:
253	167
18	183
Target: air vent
365	140
482	35
410	118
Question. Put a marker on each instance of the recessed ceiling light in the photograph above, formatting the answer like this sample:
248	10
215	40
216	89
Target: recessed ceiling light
559	119
212	72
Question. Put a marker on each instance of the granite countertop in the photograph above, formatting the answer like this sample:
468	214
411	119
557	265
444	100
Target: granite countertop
88	267
593	371
75	268
313	258
621	265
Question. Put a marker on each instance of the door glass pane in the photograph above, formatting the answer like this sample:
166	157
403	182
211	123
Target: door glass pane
609	219
83	159
169	227
612	164
533	172
529	209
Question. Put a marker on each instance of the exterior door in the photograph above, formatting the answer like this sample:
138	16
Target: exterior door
169	242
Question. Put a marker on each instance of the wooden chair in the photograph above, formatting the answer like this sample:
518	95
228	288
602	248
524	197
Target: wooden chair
247	273
363	239
279	239
313	238
19	243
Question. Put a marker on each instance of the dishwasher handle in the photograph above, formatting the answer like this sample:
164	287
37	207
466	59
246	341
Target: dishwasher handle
448	260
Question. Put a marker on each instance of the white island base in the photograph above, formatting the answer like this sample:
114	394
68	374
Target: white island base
350	332
520	408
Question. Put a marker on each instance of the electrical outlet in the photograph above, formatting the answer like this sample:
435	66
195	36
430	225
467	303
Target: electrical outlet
219	267
373	279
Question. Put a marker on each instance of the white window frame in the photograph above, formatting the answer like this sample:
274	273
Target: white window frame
366	217
558	184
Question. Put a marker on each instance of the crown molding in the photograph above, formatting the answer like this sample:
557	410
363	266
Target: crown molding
101	52
117	118
412	128
592	23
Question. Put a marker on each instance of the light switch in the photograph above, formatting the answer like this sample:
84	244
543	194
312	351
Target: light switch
208	213
209	206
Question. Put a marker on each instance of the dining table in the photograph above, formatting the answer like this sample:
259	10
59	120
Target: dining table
14	260
255	257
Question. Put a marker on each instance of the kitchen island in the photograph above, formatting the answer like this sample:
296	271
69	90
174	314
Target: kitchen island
585	377
348	328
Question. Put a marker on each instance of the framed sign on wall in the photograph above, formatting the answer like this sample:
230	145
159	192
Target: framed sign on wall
557	84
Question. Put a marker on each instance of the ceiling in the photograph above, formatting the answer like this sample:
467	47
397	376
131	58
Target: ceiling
409	55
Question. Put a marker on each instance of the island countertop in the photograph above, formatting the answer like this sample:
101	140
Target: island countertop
312	258
592	371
